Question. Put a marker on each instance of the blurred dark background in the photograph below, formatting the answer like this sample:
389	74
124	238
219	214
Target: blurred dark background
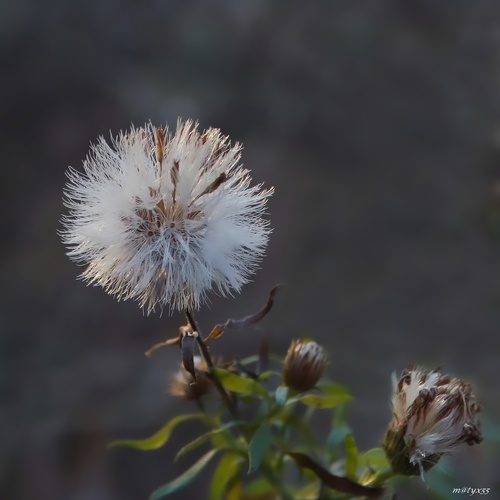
378	125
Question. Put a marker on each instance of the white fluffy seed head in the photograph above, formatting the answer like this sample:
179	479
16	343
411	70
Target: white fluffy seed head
164	218
433	413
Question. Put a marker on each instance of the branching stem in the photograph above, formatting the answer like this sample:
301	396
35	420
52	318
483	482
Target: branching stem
211	367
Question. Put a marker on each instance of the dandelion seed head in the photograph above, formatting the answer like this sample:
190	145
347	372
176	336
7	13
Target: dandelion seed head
164	218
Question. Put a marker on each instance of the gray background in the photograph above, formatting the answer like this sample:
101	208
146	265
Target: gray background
378	124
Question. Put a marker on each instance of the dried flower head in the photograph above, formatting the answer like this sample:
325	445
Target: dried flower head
304	365
184	386
164	218
433	413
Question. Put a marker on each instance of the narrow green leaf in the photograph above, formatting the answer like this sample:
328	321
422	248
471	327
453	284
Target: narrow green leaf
281	394
351	457
258	446
321	401
158	439
265	375
241	385
227	470
202	439
185	478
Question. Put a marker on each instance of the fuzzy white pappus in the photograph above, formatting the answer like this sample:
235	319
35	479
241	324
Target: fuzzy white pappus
163	218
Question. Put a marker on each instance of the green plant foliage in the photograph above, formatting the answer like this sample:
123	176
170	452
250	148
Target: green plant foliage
225	474
324	401
281	395
290	421
265	433
185	478
258	489
374	458
351	456
258	446
195	443
239	384
336	439
158	439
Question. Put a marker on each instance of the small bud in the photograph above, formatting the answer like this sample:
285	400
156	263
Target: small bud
184	386
432	414
304	365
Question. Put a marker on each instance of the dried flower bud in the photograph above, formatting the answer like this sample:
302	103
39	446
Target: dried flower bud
433	413
304	365
184	386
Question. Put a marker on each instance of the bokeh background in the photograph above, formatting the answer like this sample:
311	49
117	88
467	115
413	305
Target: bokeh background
378	123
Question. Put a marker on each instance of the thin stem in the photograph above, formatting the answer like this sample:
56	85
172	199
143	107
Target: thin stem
211	367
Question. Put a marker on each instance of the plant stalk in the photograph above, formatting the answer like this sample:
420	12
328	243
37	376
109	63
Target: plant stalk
211	367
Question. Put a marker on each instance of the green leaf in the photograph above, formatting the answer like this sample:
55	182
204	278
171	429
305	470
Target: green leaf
281	394
351	456
336	438
259	488
333	389
322	401
259	444
203	438
374	458
158	439
224	475
333	395
241	385
373	462
265	375
185	478
310	491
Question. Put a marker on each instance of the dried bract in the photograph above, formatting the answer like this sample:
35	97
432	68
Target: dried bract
184	386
